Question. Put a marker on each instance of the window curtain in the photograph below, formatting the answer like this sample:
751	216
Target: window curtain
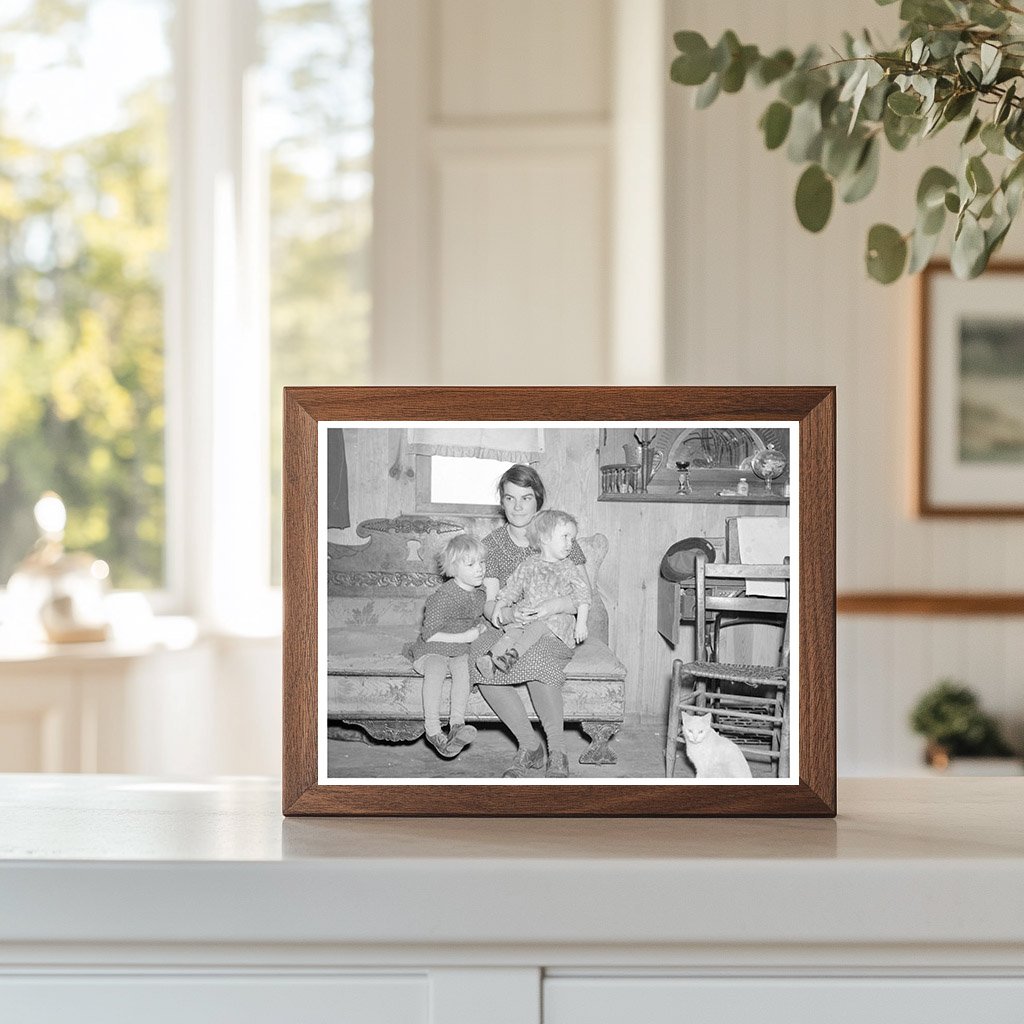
337	481
507	444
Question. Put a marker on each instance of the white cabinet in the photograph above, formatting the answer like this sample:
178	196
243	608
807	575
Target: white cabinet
824	1000
202	999
127	898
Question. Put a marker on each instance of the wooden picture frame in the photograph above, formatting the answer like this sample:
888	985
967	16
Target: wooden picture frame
969	448
310	413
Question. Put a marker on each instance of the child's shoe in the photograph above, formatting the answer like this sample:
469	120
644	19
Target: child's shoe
557	766
485	665
460	735
439	742
524	761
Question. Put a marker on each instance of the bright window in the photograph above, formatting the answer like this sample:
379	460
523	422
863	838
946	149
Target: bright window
317	127
83	238
465	481
185	222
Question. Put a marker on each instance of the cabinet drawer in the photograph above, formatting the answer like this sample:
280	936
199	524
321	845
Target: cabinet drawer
569	1000
223	999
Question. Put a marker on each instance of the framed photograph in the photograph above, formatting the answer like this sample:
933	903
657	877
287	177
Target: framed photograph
970	445
559	601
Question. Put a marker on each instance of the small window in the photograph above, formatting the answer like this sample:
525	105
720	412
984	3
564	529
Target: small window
463	485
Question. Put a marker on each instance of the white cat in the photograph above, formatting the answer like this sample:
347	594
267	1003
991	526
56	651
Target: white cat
713	755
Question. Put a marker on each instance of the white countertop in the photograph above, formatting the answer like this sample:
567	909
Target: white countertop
124	859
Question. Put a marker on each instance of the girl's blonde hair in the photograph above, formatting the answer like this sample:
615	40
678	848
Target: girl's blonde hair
459	549
544	524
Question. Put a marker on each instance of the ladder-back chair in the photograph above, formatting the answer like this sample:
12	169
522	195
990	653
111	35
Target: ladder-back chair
747	703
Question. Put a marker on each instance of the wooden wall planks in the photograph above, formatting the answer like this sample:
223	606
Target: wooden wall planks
638	535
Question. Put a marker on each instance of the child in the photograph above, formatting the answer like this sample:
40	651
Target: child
451	622
551	575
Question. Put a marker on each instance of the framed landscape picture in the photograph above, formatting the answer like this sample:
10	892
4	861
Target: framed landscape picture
970	445
516	602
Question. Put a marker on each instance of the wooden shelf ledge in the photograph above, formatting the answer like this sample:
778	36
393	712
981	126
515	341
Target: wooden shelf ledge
928	603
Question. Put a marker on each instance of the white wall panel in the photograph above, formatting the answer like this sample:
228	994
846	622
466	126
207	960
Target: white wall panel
753	298
530	58
520	268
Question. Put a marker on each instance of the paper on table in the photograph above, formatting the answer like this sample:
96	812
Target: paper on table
763	540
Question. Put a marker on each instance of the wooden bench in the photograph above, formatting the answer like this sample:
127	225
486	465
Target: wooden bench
375	597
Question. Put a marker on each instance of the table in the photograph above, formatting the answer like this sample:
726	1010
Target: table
197	901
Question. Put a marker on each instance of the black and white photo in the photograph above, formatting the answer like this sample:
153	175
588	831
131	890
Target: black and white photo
536	603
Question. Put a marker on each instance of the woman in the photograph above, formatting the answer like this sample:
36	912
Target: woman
542	667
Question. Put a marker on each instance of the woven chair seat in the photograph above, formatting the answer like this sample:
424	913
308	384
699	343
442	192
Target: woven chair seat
752	675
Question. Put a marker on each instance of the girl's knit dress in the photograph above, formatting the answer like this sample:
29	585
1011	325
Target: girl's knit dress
450	609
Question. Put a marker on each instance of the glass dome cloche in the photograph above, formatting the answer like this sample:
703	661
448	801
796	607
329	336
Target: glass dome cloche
56	595
769	464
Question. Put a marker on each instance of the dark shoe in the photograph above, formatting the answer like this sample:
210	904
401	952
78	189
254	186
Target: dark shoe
485	665
439	742
524	761
504	662
458	738
558	765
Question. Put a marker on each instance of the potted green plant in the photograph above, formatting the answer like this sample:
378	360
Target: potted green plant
955	62
950	717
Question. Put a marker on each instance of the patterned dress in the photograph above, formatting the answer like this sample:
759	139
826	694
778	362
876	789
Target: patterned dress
450	609
535	580
544	662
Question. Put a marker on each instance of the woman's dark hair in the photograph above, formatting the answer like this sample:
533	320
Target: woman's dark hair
523	476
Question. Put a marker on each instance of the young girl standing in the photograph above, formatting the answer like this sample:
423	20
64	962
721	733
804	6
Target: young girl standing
452	620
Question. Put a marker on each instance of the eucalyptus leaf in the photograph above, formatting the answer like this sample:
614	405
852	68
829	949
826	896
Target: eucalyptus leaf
693	65
707	93
865	174
987	15
886	253
968	247
814	194
932	221
922	248
993	138
1013	191
724	51
771	69
873	106
805	133
991	60
900	130
973	129
958	105
931	190
794	88
735	74
840	152
903	103
952	202
775	124
1005	104
978	175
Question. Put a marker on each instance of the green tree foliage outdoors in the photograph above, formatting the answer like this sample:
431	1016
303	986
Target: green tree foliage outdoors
83	237
318	101
82	230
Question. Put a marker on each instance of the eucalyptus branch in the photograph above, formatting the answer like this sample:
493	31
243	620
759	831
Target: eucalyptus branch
833	118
